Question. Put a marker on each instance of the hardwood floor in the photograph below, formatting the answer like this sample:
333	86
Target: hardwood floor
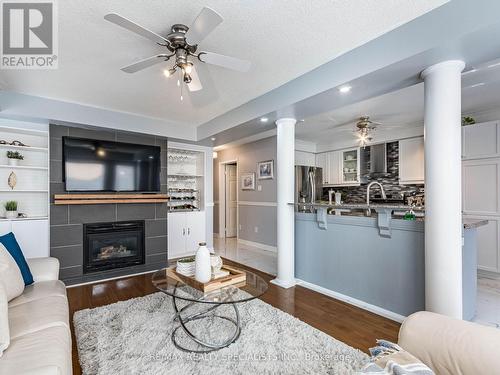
355	327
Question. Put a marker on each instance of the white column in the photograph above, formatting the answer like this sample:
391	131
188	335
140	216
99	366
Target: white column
285	179
443	188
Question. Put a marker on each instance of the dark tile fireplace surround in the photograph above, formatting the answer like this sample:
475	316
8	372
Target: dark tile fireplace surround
70	224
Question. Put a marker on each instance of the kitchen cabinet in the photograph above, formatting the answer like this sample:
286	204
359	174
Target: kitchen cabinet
481	140
32	235
305	158
488	241
185	231
322	162
349	167
480	184
411	161
340	168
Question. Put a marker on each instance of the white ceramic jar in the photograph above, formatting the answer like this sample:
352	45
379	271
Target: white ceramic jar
203	268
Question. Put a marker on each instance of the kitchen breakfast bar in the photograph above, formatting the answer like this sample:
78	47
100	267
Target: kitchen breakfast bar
368	256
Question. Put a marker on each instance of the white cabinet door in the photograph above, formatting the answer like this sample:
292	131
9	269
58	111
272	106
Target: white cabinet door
411	161
334	165
480	140
195	231
322	162
33	237
176	234
488	251
480	184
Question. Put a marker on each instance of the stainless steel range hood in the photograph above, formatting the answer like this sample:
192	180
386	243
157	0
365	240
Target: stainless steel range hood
377	155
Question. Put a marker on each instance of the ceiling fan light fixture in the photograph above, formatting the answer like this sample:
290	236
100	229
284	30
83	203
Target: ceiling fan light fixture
187	78
168	72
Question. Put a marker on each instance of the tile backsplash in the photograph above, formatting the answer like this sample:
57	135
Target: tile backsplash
390	180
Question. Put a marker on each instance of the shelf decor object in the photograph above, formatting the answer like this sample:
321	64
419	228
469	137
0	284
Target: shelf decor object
12	180
10	209
14	157
75	199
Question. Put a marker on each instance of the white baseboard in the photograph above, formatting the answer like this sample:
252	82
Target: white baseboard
262	246
353	301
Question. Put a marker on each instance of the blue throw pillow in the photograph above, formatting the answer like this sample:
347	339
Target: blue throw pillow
12	246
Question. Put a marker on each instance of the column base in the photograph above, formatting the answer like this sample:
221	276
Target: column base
285	284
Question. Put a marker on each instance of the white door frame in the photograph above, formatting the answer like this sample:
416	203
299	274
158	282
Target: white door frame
222	198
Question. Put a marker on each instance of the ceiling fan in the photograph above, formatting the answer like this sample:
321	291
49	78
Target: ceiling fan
181	46
364	129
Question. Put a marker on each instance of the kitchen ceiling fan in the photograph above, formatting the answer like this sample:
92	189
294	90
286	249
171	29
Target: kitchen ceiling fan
181	46
364	129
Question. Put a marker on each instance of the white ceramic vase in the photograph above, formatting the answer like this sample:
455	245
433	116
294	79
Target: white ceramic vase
10	214
203	268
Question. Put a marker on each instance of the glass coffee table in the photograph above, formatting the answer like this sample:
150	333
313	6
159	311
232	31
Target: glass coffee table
192	305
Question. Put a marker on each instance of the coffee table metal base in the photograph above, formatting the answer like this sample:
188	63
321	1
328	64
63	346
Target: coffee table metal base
200	315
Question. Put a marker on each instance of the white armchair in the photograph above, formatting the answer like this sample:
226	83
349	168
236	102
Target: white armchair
44	269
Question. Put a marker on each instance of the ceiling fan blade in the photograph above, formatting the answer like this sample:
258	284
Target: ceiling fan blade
135	28
145	63
204	24
195	84
225	61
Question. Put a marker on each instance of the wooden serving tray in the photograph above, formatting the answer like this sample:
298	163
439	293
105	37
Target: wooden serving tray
235	276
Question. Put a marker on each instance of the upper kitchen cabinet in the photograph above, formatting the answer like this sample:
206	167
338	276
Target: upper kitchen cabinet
305	158
411	161
340	168
322	162
481	140
350	162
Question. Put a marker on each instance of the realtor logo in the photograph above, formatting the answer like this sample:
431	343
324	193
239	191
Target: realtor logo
29	34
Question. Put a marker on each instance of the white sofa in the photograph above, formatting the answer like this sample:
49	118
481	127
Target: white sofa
40	336
451	346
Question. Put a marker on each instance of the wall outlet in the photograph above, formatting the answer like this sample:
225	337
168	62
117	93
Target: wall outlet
259	187
256	229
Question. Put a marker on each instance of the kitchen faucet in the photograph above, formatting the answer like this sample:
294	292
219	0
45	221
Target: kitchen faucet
368	191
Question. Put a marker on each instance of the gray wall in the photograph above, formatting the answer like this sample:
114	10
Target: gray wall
66	222
250	217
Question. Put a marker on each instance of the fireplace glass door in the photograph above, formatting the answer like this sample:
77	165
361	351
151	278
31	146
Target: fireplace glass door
113	245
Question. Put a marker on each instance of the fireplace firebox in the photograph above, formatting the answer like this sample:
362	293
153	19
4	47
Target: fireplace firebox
113	245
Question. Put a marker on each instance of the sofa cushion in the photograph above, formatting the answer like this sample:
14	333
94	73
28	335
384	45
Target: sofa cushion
10	242
40	290
36	315
4	320
10	275
44	352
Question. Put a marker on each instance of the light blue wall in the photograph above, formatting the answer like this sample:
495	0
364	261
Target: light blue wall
350	257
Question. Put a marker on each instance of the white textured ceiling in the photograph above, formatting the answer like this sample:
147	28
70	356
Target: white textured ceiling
403	108
283	39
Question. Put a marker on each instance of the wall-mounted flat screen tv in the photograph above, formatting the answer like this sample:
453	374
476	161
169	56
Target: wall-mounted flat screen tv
94	165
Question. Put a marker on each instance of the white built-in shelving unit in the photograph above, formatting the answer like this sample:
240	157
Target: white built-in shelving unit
31	191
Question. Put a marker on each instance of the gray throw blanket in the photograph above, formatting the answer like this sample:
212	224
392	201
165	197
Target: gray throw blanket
390	359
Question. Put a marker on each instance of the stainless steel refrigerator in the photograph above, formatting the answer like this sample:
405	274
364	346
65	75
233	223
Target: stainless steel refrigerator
308	186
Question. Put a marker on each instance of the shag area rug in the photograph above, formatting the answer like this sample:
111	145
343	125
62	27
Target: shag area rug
134	337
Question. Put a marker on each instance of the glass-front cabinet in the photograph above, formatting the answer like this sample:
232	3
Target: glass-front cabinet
350	167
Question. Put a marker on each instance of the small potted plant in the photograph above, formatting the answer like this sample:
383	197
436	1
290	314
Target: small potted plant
467	120
14	157
11	209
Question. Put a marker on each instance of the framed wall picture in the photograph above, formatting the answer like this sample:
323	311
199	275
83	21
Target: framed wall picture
248	181
265	170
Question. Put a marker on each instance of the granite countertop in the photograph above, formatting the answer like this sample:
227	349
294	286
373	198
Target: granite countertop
474	223
361	206
467	223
